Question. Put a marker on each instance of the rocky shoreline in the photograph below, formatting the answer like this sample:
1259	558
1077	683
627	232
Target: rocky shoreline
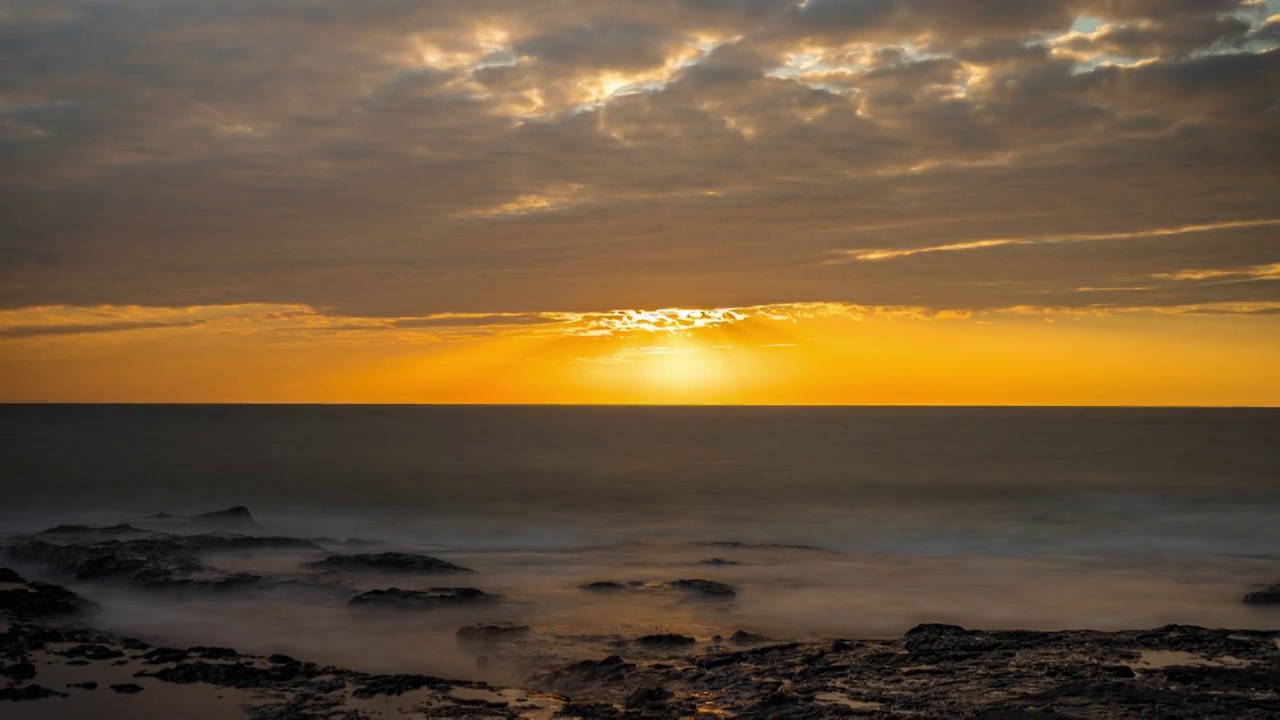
50	653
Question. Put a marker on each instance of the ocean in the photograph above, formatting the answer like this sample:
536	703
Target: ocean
829	522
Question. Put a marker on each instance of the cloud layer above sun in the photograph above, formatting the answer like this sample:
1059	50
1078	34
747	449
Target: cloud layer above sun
465	169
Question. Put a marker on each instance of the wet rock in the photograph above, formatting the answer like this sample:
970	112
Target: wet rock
395	685
1266	596
18	671
163	656
421	599
27	692
92	652
389	562
602	586
213	653
238	675
233	519
490	633
281	659
742	637
611	670
159	561
90	685
718	561
841	646
37	599
648	698
703	588
1118	671
127	688
666	640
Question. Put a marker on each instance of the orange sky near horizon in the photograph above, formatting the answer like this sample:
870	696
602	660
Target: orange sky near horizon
801	354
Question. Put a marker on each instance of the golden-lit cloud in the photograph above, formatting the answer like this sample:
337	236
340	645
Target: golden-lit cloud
887	254
519	200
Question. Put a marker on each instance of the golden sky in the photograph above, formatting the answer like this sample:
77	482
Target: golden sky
658	201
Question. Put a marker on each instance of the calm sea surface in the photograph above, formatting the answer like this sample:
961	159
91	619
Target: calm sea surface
987	517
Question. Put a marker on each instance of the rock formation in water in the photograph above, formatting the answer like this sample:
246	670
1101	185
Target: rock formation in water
389	562
421	599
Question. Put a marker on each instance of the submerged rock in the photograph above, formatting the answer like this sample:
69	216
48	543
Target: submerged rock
1266	596
37	599
602	586
648	698
703	588
158	561
666	640
233	519
694	587
489	633
742	637
389	562
421	599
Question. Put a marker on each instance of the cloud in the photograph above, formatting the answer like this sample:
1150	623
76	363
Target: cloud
886	254
401	160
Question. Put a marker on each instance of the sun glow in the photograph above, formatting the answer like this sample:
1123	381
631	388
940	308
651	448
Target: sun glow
800	353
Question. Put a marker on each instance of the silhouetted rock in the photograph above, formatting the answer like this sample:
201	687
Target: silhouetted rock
27	692
718	561
1266	596
18	671
234	519
647	698
37	599
127	688
90	685
703	588
389	562
602	586
9	576
157	561
421	599
488	633
742	637
665	640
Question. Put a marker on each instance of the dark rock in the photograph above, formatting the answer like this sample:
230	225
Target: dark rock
718	561
643	698
213	653
18	671
9	576
27	692
1266	596
399	684
602	585
37	599
237	675
610	671
841	646
163	656
92	652
389	562
127	688
491	632
421	599
703	588
233	519
742	637
665	640
90	685
281	659
159	561
1118	671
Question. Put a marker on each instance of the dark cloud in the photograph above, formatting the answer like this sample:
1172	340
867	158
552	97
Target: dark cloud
398	159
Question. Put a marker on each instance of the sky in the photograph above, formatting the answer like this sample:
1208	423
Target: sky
968	202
